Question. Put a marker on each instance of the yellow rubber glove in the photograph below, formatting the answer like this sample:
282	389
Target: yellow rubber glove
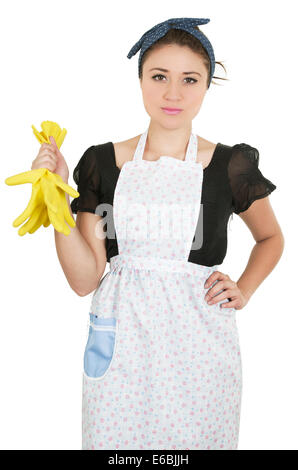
48	202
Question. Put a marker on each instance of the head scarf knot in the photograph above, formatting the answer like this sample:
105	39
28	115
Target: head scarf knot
161	29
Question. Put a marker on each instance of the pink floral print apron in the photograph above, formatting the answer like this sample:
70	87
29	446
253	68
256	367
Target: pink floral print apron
162	368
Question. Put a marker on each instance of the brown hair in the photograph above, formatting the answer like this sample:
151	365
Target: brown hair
182	38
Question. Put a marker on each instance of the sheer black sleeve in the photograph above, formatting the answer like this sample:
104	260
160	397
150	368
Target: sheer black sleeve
246	180
87	177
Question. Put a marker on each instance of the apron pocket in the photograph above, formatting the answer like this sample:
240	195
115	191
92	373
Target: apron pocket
100	347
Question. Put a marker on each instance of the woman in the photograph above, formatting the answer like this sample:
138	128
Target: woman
162	364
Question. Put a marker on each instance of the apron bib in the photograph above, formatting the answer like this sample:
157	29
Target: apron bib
162	368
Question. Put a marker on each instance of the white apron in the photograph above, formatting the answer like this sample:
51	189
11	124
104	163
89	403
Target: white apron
162	368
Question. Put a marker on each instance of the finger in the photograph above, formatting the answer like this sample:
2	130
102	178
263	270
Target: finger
68	218
26	177
231	304
54	144
31	222
46	221
49	195
52	160
218	297
218	287
47	160
215	275
60	215
53	140
57	220
47	146
41	219
48	164
46	152
41	162
30	207
54	221
66	188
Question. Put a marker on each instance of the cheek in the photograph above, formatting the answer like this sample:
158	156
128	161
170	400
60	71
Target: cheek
195	100
151	94
151	99
197	106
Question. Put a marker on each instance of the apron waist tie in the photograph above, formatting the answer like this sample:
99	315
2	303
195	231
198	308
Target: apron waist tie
160	264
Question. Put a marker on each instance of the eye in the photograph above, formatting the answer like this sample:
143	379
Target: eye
160	75
189	78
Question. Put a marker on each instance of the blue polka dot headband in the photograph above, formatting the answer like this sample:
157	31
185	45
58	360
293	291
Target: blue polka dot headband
161	29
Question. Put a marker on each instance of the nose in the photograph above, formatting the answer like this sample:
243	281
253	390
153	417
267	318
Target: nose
173	91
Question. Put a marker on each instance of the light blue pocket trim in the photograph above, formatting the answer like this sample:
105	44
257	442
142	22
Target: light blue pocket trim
109	321
100	347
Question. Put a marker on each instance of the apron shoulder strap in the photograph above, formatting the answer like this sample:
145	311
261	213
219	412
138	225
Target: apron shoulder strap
138	155
192	149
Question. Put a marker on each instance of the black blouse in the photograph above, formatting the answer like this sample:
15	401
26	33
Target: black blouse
231	183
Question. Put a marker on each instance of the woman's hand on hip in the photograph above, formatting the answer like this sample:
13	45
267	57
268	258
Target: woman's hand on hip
224	288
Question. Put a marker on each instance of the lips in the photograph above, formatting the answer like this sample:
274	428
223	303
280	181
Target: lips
172	109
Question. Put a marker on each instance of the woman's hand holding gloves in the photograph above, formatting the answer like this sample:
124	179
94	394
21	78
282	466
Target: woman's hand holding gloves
49	175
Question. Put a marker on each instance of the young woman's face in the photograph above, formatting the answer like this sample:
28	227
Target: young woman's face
171	87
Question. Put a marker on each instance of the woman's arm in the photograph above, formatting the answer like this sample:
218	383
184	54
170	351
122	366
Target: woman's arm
82	253
261	221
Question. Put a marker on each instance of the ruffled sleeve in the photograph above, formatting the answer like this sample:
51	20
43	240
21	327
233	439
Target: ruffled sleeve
87	177
246	180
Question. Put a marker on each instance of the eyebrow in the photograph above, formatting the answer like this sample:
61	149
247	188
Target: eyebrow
165	70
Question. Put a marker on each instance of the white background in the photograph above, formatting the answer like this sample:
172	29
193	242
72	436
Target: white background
66	61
